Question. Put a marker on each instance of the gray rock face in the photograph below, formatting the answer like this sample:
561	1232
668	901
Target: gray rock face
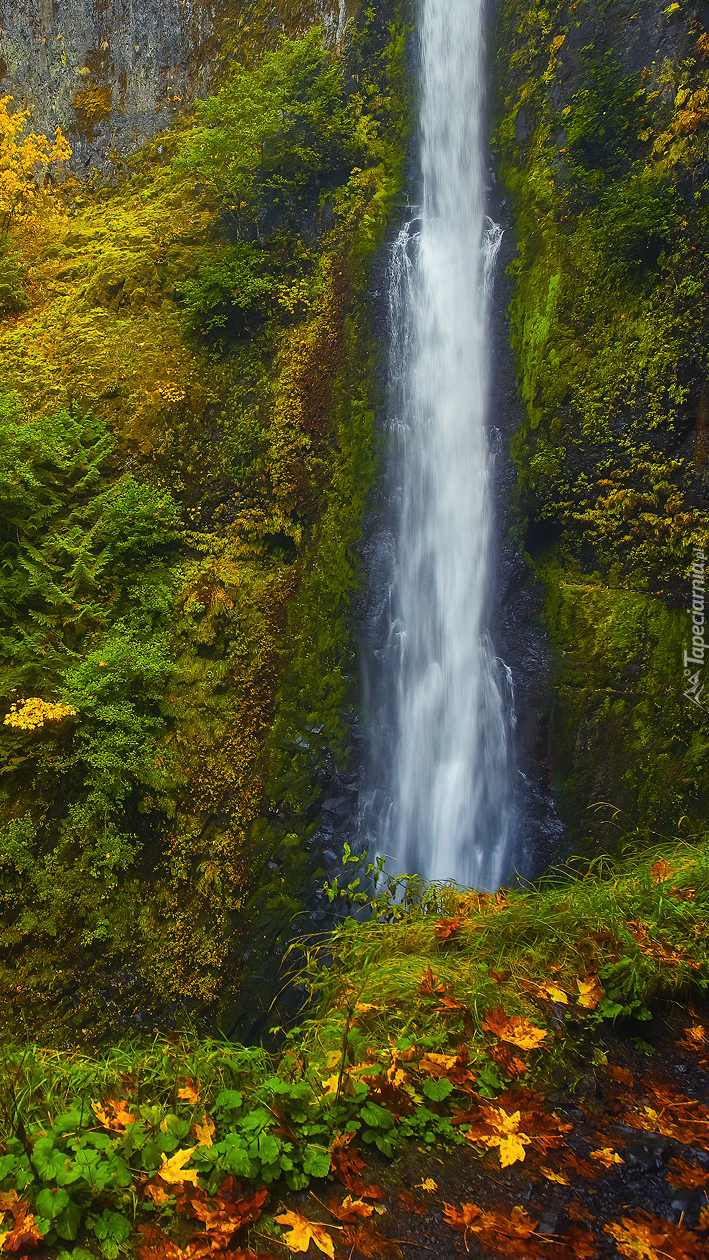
110	73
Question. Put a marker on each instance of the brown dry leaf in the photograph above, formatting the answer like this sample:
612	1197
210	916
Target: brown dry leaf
350	1210
661	871
366	1241
683	1177
430	985
506	1059
451	1067
24	1235
301	1232
505	1135
658	949
571	1162
515	1029
620	1075
499	976
590	992
607	1157
647	1238
559	1177
448	929
157	1193
230	1210
407	1203
347	1164
673	1115
155	1245
188	1091
113	1114
173	1171
547	992
491	1226
203	1132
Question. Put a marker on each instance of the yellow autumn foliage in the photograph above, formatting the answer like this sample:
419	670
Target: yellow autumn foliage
24	158
35	712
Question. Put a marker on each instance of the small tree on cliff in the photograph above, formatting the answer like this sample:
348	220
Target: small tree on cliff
24	159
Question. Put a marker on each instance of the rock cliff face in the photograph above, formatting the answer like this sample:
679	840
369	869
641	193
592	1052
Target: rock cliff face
112	72
603	123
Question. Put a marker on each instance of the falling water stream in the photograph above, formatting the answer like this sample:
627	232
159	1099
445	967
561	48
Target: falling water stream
440	799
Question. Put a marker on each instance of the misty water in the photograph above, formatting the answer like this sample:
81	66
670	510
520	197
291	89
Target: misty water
439	798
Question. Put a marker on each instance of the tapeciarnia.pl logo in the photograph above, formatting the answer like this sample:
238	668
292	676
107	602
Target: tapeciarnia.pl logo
694	658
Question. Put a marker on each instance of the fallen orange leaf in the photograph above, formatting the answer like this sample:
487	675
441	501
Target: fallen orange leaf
302	1232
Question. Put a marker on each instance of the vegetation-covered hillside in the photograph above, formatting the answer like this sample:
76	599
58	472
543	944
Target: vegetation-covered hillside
602	136
187	372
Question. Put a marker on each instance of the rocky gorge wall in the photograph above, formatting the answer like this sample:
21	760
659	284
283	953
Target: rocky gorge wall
603	142
110	73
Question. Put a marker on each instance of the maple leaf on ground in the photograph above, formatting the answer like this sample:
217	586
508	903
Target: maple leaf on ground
113	1114
658	949
590	992
581	1243
685	1177
661	871
644	1237
350	1210
695	1039
571	1162
508	1062
491	1226
607	1157
157	1193
548	992
448	929
173	1171
154	1245
673	1115
188	1091
368	1242
503	1132
347	1164
301	1232
620	1075
230	1210
450	1067
514	1029
203	1132
409	1204
25	1234
559	1178
430	985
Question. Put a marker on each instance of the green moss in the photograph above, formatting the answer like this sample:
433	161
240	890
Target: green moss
609	321
219	389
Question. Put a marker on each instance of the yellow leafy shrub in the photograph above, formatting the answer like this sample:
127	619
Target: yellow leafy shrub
23	161
35	712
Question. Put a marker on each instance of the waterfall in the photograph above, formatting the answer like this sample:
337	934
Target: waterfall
439	798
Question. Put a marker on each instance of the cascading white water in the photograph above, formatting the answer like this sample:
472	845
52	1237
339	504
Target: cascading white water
444	806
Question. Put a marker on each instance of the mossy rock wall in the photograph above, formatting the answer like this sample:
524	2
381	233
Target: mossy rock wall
111	75
603	140
180	554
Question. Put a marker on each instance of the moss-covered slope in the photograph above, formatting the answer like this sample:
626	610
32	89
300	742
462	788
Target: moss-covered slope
603	135
187	428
